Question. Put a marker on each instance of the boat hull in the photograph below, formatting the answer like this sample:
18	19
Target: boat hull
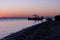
35	19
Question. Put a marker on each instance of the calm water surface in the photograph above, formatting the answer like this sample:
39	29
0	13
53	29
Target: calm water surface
8	26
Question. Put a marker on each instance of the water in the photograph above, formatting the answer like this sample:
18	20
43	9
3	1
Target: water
8	26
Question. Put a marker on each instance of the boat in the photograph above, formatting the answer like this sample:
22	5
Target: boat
36	18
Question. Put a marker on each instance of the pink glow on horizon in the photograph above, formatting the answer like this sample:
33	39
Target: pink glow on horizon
25	8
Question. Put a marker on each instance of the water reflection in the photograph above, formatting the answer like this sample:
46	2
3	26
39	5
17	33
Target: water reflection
13	25
37	21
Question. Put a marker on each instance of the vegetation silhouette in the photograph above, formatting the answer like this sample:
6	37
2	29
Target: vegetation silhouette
57	18
49	30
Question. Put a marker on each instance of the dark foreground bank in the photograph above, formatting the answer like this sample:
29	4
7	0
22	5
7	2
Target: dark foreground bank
45	31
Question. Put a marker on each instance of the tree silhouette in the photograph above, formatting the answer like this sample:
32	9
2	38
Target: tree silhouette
57	18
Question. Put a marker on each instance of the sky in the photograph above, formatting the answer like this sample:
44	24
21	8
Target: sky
25	8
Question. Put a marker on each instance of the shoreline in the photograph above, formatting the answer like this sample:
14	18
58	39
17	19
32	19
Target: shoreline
45	29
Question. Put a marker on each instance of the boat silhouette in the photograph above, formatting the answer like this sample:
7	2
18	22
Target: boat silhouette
36	18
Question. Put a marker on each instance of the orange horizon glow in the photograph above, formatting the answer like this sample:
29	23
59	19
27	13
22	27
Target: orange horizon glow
23	13
26	8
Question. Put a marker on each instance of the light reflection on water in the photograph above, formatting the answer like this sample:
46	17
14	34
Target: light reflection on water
8	26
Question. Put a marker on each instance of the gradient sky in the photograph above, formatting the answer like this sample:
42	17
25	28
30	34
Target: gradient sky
24	8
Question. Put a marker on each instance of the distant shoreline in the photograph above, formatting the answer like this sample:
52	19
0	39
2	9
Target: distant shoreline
13	18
